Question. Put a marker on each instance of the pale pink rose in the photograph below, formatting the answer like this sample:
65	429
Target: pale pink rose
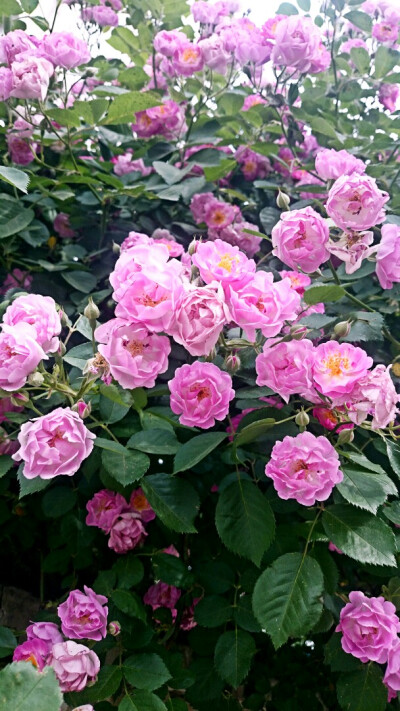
305	468
286	367
262	304
35	651
167	42
126	532
14	43
215	56
356	203
388	95
54	444
65	50
376	395
386	32
321	60
352	248
135	238
135	356
388	256
252	100
331	164
162	595
74	665
62	225
104	16
199	204
83	615
200	394
337	368
392	673
353	44
104	508
219	214
207	13
6	84
297	43
200	314
300	239
41	313
161	236
143	255
167	119
17	279
20	354
188	59
31	77
253	165
46	631
141	506
270	26
125	164
219	261
22	152
369	627
235	235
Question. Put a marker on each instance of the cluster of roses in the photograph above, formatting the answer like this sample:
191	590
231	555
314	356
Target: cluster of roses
83	615
105	14
370	628
125	523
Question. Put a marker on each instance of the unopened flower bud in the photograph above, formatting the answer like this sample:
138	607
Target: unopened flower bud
298	332
36	379
212	354
302	419
283	200
192	247
232	363
194	273
342	329
64	319
82	408
61	349
345	436
19	399
396	369
91	311
116	248
114	628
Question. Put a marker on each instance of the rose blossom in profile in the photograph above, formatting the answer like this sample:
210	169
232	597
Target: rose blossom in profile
65	50
388	96
219	261
36	651
305	468
74	665
286	368
140	505
104	508
20	354
392	673
200	394
369	627
356	203
126	532
200	314
54	444
83	615
331	164
375	395
300	239
41	313
337	368
46	631
388	256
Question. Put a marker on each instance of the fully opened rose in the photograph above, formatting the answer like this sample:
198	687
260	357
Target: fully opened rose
84	615
200	394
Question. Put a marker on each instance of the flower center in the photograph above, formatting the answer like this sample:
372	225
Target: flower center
189	55
299	465
202	391
140	502
134	347
336	364
32	659
227	261
56	437
146	300
218	217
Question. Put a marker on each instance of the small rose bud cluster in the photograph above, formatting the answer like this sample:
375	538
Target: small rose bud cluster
123	521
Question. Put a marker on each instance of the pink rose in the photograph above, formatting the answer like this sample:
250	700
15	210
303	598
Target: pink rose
144	256
46	631
5	82
297	43
305	468
337	368
126	532
200	394
141	506
334	549
135	356
104	16
214	54
124	164
31	77
286	367
219	214
352	44
386	32
392	673
326	417
388	95
167	42
65	50
188	59
199	204
167	119
356	203
252	100
352	248
235	235
331	164
376	395
22	152
17	279
369	627
85	707
165	237
253	165
104	508
35	651
300	239
219	261
74	665
54	444
41	313
6	405
20	354
388	256
162	595
262	304
83	615
133	239
14	43
200	314
62	225
298	281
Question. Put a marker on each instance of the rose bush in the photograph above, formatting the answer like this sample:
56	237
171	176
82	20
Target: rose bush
200	356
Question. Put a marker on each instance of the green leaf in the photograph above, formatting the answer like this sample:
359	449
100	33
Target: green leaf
170	570
304	5
129	603
123	107
23	688
269	217
65	117
79	355
360	19
127	467
108	681
58	501
365	489
337	658
385	60
393	452
10	7
213	611
321	125
154	441
361	59
196	449
116	394
362	690
30	486
5	464
251	432
13	217
392	592
360	535
321	294
8	642
129	570
174	501
15	177
217	172
145	701
127	704
110	445
286	8
82	281
286	597
146	671
233	655
244	520
29	5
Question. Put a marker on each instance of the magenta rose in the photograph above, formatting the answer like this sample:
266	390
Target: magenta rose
337	367
219	261
200	394
62	225
199	204
83	615
305	468
35	651
46	631
74	665
22	152
331	164
30	77
162	595
286	368
388	256
356	203
65	50
126	532
369	627
104	509
54	444
20	354
200	314
141	506
300	239
41	313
